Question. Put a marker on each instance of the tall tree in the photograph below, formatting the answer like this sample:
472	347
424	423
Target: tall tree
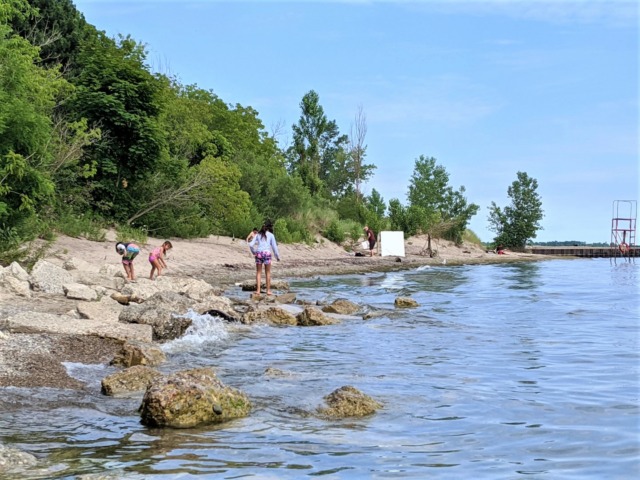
317	143
443	209
518	222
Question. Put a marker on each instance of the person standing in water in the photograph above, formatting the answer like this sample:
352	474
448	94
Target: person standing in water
262	246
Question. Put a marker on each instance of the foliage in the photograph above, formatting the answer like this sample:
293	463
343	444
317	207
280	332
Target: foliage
125	233
84	225
471	237
518	222
334	232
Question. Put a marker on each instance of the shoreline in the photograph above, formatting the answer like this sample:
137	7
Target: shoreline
32	356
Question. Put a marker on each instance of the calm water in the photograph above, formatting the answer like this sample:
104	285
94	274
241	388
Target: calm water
504	371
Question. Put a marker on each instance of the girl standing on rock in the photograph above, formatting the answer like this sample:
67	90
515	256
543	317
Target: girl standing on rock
261	246
156	258
129	251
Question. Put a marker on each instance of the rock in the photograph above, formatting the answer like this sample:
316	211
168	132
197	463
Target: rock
312	316
405	302
191	398
341	307
73	263
142	289
77	291
106	309
112	271
273	315
17	272
197	290
138	353
125	299
14	285
277	373
49	278
50	323
348	401
13	460
97	279
289	297
3	335
133	379
163	312
250	285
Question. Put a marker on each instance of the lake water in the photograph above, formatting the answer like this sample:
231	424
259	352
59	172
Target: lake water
507	371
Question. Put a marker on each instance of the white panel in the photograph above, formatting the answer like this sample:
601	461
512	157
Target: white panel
392	244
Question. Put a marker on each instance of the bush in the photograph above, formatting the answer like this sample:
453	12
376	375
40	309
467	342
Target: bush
126	233
334	232
81	225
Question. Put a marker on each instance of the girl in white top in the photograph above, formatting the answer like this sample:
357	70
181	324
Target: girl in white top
261	246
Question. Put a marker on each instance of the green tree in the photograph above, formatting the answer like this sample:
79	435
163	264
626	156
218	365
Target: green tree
518	222
442	210
317	143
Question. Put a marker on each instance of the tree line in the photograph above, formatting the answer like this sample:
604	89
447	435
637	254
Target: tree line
91	137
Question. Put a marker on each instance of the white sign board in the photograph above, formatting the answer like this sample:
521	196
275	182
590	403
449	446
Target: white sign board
392	244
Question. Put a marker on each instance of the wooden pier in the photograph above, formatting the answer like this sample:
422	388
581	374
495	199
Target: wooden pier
578	251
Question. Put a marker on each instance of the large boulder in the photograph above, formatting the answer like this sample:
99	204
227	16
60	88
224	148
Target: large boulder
163	311
348	401
143	289
133	379
341	306
191	398
14	285
106	309
17	271
49	278
312	316
93	279
273	315
197	290
139	353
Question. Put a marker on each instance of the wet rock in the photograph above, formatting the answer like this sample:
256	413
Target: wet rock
139	353
191	398
273	315
277	373
49	278
405	302
250	285
341	307
132	379
163	312
77	291
14	460
289	297
348	401
312	316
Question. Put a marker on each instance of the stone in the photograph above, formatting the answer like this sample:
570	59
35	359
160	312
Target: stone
51	323
77	291
312	316
106	309
191	398
347	402
14	285
163	313
135	353
93	279
74	263
289	297
49	278
132	379
341	307
18	272
273	315
250	285
12	460
405	302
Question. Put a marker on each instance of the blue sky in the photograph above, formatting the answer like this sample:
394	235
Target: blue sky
487	88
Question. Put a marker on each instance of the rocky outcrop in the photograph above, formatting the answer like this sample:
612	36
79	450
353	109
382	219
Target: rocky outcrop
130	380
341	307
191	398
138	353
37	322
348	401
312	316
405	302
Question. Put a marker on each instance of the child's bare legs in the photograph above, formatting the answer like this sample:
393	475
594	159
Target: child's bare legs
267	272
155	265
128	270
258	277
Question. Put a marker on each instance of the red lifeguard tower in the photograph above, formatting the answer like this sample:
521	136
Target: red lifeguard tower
623	229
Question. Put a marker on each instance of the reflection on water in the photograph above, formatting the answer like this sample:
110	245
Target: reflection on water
502	371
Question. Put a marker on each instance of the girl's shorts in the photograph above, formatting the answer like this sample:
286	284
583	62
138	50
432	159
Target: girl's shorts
263	258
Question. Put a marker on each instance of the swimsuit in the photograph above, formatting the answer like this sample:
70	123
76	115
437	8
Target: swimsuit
132	252
156	253
263	258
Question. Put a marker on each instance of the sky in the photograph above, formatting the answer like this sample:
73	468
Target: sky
488	88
